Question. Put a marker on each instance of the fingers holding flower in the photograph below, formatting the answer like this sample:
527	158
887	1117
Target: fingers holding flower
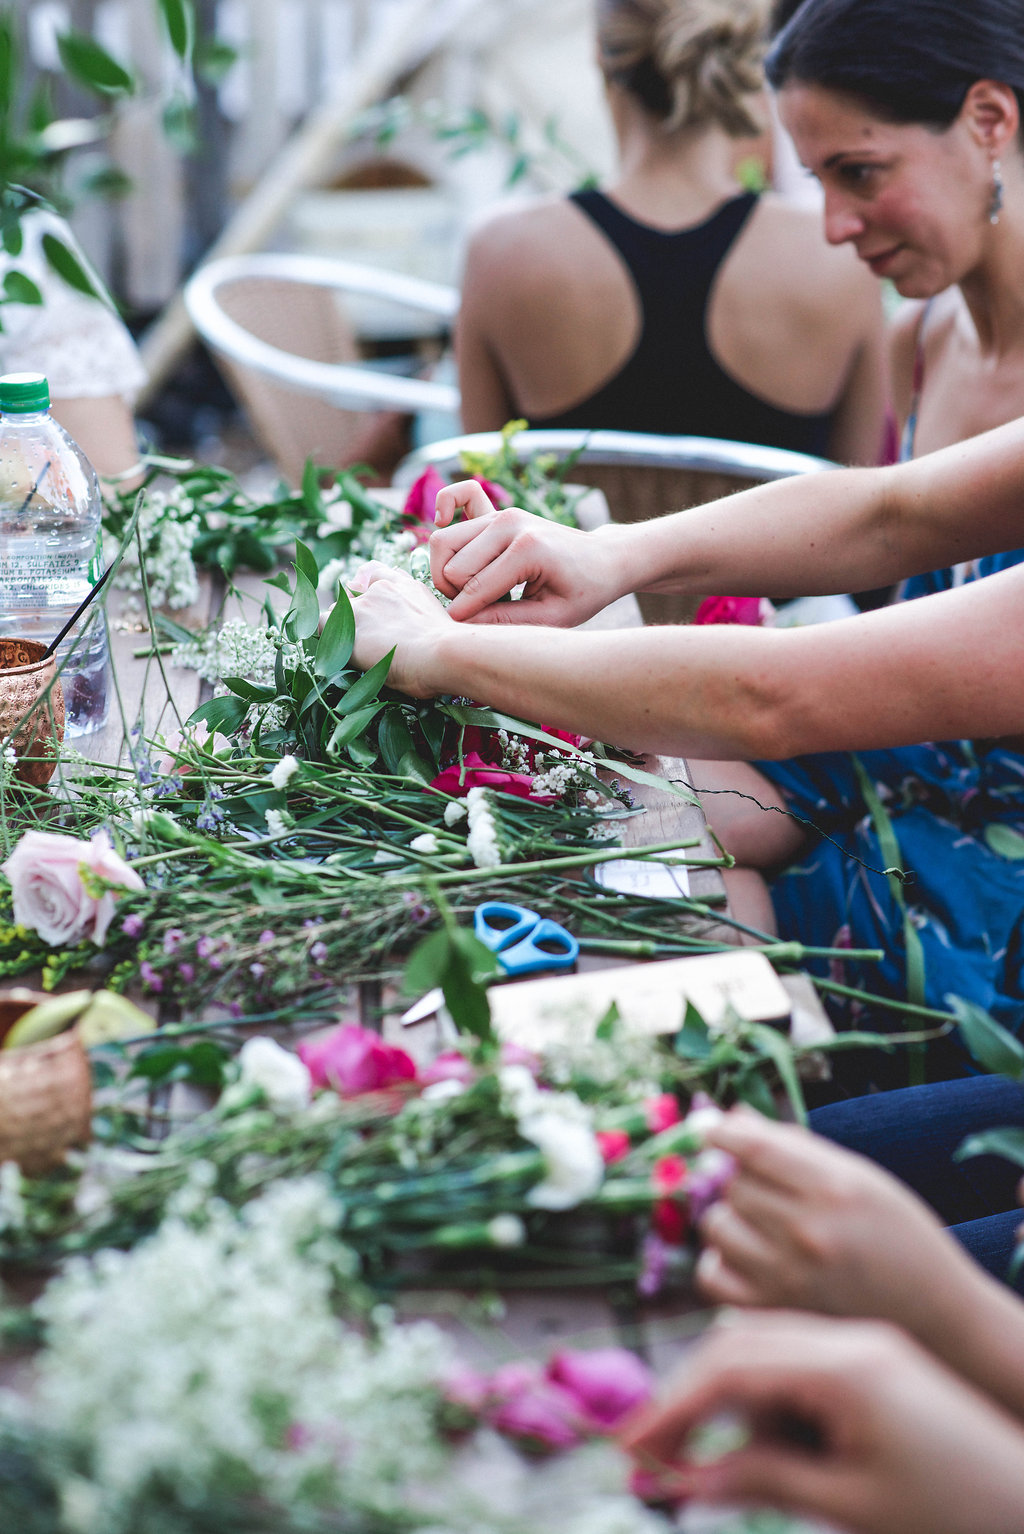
393	611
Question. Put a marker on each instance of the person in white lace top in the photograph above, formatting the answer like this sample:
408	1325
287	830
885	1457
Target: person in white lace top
91	362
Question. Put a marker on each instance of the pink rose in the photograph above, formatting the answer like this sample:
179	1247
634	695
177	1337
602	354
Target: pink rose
608	1383
449	1066
494	493
49	896
421	502
354	1060
749	610
534	1410
197	735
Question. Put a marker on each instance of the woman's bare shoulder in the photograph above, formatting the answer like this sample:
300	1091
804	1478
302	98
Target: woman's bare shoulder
518	230
794	242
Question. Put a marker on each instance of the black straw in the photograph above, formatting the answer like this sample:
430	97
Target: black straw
79	610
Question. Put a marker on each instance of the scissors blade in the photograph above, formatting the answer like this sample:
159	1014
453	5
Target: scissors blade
427	1005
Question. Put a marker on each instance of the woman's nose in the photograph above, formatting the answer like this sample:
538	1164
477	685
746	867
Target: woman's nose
843	222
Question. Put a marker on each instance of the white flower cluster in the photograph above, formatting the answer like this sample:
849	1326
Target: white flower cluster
277	1073
515	753
211	1356
13	1208
565	774
235	649
482	839
168	528
561	1128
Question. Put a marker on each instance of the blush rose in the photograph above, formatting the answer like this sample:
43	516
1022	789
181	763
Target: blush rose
49	894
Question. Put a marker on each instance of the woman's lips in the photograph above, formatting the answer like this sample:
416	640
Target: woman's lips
880	263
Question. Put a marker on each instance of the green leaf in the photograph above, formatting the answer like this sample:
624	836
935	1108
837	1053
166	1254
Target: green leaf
9	63
990	1044
180	21
1005	842
67	265
395	740
413	766
751	1088
20	289
426	964
362	752
609	1023
303	617
243	688
92	66
280	581
179	124
334	649
224	714
780	1051
349	731
1008	1143
311	496
213	59
305	562
366	687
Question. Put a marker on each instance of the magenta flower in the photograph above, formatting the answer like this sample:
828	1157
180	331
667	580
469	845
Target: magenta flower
608	1383
753	611
539	1413
494	493
449	1066
421	502
661	1112
474	772
613	1144
352	1060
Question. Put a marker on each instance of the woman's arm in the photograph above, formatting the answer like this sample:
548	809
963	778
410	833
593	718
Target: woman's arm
848	1421
945	666
850	530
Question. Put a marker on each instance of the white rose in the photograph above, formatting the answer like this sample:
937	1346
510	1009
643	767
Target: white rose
280	1076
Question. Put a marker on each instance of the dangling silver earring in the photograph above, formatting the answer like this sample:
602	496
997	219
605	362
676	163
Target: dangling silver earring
995	206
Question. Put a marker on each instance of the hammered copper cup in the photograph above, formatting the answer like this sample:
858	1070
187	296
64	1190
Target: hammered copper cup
24	678
45	1092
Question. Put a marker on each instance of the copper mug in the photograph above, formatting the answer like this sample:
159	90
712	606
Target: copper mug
34	732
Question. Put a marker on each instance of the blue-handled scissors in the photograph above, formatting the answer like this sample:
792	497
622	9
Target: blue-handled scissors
524	942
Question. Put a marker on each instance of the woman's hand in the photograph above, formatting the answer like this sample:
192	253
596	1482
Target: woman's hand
394	611
848	1421
568	575
809	1225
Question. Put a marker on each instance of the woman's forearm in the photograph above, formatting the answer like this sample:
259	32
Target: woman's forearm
847	530
883	679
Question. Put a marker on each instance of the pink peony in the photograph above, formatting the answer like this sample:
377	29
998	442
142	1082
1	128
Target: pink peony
613	1145
48	892
608	1383
172	759
753	611
354	1060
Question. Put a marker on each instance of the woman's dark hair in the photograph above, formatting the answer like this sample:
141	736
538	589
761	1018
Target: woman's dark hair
908	61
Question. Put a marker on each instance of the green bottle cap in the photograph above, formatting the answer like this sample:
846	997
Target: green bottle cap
23	393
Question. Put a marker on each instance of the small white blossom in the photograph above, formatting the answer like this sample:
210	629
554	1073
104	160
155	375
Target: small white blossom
275	822
426	843
482	840
574	1166
506	1230
282	774
12	1200
702	1119
454	811
280	1075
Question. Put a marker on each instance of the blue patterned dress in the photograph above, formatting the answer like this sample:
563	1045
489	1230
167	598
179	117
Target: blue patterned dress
954	807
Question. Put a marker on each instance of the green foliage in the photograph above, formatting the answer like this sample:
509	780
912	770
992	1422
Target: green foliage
92	67
990	1044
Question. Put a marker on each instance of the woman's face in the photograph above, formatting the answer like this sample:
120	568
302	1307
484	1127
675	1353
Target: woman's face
911	201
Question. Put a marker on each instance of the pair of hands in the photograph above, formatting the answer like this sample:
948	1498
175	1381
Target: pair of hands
901	1441
850	1421
567	577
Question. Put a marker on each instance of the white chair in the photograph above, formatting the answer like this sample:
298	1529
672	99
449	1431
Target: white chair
277	327
641	476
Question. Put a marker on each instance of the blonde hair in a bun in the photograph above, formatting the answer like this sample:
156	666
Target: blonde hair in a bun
688	62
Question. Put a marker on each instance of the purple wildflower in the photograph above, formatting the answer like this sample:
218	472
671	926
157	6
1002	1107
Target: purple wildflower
150	977
132	926
173	939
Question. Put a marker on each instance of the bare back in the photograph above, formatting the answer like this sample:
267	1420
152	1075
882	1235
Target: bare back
551	313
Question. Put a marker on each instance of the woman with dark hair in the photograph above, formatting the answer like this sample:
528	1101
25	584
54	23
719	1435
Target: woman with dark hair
909	113
674	302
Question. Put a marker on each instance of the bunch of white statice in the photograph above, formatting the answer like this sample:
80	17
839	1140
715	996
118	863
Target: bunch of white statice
168	527
483	836
236	648
398	550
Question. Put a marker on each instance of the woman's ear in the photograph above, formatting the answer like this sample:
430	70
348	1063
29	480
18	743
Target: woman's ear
991	112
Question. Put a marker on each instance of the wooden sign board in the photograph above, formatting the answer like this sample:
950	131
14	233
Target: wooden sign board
651	998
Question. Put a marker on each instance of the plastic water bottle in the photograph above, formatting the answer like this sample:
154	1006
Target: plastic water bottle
50	510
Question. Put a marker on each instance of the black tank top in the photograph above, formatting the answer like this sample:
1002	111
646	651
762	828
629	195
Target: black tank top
672	385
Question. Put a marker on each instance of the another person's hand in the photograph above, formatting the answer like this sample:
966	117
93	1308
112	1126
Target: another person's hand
394	611
848	1421
809	1225
568	575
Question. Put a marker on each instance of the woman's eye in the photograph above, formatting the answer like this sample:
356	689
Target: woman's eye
857	174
